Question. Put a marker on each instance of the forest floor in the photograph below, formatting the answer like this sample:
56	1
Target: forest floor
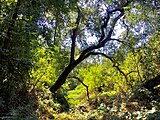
140	104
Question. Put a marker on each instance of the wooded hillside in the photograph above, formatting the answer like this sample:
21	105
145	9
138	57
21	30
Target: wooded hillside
79	59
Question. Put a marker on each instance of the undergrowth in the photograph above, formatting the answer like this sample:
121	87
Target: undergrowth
41	104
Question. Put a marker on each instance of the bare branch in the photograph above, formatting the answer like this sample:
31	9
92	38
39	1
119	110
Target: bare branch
99	53
82	84
114	39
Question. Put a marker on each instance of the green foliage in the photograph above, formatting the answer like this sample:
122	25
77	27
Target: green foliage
43	72
151	55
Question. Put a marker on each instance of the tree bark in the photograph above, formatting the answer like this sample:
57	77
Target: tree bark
62	78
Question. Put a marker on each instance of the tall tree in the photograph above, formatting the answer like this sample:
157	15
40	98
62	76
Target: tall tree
100	19
108	23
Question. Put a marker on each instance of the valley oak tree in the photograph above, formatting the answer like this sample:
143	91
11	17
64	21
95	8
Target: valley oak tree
108	23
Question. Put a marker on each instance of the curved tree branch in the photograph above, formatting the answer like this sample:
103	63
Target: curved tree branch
82	84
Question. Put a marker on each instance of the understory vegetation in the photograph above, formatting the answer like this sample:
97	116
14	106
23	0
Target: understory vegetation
80	60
